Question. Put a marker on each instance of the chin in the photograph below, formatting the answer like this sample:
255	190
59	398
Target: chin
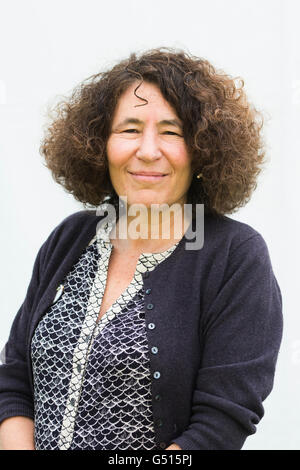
146	202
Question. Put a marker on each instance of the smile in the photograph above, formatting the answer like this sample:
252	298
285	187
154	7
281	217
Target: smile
151	178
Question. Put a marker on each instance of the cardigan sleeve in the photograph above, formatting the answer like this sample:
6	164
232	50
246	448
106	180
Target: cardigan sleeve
242	331
15	394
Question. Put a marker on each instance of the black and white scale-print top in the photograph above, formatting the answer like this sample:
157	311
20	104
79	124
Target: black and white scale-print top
92	379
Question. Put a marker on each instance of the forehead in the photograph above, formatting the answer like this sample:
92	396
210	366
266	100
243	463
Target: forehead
129	102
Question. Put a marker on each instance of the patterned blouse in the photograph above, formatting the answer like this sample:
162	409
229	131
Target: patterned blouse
92	385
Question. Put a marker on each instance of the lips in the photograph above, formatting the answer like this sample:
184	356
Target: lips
153	177
147	173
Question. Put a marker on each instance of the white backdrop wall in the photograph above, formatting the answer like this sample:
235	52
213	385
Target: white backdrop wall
48	47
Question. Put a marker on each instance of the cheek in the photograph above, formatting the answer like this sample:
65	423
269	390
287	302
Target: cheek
179	154
117	152
182	161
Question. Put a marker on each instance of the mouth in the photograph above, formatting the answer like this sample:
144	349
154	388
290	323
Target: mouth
152	177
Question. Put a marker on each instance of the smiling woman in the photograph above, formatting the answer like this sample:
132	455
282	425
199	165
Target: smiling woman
141	342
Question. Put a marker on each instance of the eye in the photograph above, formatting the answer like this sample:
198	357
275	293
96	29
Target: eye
131	130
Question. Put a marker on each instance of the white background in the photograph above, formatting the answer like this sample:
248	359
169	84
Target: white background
49	47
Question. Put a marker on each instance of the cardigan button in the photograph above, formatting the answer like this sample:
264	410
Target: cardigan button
162	445
159	423
156	374
148	291
150	306
157	397
151	326
154	350
146	274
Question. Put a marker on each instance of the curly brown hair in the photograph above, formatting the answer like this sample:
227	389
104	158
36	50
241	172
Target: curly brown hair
221	129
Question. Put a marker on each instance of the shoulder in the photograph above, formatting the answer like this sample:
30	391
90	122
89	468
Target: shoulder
73	230
228	243
76	219
75	222
231	234
236	264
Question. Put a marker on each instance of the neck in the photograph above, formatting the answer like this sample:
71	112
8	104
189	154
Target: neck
149	230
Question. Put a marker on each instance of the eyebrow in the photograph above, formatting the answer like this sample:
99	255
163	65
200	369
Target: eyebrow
166	122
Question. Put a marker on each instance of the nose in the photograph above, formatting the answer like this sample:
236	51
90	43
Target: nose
149	146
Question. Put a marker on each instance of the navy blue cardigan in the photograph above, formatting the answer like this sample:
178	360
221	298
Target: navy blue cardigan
218	317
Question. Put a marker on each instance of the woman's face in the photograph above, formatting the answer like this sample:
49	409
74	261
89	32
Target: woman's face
148	139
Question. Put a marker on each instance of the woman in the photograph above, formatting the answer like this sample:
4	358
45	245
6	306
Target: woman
127	340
